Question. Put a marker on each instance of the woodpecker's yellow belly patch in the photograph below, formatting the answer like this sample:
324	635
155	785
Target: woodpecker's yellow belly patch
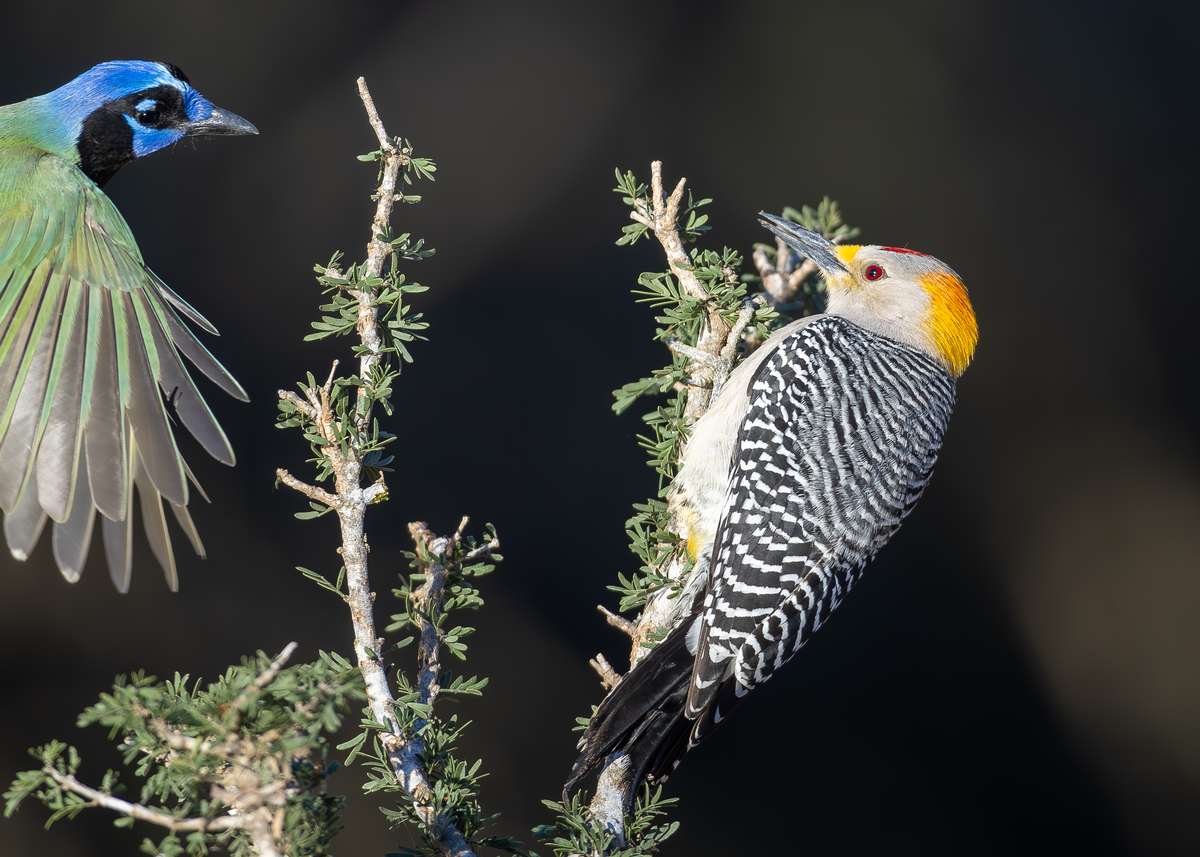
695	536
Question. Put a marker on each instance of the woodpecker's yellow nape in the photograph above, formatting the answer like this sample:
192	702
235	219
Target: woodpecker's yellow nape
945	325
900	293
951	322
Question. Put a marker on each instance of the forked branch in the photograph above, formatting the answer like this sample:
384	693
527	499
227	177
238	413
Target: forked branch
350	499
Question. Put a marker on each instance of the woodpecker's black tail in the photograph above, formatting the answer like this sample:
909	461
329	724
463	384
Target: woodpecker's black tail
642	717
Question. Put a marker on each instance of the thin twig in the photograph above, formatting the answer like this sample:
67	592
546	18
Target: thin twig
377	249
661	216
312	492
701	358
144	813
797	277
264	678
745	316
609	677
433	552
482	552
619	622
385	142
428	599
298	403
782	279
729	349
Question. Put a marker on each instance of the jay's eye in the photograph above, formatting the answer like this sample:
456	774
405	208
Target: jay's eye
148	112
874	272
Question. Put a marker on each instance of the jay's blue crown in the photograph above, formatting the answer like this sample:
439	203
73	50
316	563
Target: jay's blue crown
117	111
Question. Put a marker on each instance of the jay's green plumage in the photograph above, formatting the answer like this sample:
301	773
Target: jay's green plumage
91	341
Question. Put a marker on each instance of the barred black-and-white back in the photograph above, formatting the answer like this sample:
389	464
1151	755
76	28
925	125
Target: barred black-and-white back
839	440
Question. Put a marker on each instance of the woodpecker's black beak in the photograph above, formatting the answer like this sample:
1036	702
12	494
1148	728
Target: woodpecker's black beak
220	123
805	242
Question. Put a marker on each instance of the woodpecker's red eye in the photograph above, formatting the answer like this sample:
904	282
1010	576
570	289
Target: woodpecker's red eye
873	273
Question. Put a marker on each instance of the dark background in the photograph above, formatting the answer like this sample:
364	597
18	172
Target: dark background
1017	672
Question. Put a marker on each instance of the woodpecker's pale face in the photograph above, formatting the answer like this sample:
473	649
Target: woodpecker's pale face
899	293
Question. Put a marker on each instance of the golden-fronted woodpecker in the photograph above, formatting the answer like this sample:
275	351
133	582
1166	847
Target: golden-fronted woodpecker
815	450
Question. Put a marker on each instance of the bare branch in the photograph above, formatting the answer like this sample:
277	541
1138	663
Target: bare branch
782	279
762	262
144	813
729	350
609	677
378	248
351	502
432	551
385	142
482	552
173	738
745	316
661	216
774	275
428	600
797	277
312	492
617	621
327	387
701	358
298	403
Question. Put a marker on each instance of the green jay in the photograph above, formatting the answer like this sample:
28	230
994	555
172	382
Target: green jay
92	342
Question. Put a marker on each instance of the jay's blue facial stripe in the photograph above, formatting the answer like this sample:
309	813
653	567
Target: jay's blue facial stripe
68	106
147	140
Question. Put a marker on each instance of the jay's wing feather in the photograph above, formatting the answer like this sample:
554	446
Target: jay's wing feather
92	350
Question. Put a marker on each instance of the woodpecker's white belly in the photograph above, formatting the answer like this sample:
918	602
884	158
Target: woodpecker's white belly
699	491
